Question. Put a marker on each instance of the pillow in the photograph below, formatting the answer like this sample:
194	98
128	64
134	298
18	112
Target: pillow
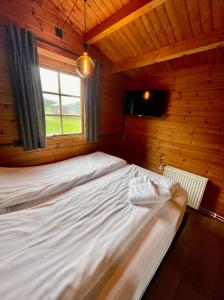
20	185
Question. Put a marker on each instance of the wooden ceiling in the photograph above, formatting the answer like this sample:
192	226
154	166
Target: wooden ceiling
97	11
211	57
151	36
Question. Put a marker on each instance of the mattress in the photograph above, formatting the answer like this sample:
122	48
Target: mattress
87	243
133	275
21	185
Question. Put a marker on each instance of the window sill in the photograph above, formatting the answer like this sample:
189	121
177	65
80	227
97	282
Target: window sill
64	135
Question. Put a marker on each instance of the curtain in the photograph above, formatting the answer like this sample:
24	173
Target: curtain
91	101
24	69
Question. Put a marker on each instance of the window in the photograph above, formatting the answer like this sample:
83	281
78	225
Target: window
62	103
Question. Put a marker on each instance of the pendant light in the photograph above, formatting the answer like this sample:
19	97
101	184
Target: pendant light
85	64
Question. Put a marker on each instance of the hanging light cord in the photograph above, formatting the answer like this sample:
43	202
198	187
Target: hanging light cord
85	45
85	16
84	64
69	14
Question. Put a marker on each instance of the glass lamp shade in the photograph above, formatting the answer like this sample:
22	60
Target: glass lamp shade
84	65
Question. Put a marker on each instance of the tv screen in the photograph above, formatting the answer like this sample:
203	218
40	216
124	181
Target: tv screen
145	102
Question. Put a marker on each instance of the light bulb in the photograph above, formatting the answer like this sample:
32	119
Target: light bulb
84	65
146	95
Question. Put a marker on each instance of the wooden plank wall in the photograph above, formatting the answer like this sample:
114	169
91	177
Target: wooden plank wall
191	135
42	21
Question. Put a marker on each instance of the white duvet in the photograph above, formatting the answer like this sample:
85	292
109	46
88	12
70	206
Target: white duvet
20	185
62	249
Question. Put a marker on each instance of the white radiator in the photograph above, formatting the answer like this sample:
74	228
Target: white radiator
194	185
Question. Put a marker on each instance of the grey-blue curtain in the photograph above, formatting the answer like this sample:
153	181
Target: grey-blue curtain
92	102
24	69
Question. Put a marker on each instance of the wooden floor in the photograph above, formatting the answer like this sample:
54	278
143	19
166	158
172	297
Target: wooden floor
194	265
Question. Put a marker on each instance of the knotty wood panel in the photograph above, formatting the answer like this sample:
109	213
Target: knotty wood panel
191	135
210	57
28	14
97	11
171	22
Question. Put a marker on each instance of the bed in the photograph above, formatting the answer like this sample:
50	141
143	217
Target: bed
86	241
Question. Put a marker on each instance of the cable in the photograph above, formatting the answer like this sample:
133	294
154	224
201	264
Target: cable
69	14
85	16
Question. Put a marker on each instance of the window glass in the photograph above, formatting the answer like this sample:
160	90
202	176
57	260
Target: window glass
72	124
49	80
61	93
70	105
70	85
51	104
53	125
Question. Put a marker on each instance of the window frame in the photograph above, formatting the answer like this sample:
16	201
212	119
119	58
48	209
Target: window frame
60	95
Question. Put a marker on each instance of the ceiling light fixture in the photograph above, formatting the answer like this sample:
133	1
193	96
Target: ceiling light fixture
85	64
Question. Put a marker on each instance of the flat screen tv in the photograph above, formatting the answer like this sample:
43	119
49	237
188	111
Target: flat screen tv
145	102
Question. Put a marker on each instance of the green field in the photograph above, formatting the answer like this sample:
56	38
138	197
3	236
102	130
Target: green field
70	125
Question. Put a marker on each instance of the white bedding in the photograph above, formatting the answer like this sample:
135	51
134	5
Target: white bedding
133	274
71	247
20	185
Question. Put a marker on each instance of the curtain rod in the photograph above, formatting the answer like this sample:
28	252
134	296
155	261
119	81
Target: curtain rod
49	43
52	44
15	143
59	47
56	46
6	144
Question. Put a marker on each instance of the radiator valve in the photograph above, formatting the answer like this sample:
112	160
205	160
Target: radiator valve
162	166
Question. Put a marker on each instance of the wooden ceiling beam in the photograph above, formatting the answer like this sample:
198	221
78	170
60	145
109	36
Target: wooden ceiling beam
204	42
126	14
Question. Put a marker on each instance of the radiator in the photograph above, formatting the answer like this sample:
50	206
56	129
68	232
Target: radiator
194	185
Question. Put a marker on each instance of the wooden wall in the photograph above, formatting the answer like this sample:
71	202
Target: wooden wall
41	20
191	135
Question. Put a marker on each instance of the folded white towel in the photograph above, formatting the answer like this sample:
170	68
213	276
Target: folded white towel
158	179
143	191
